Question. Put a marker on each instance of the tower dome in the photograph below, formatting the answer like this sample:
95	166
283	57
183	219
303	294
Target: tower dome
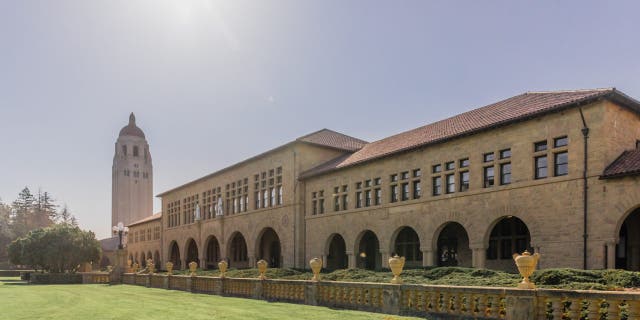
131	129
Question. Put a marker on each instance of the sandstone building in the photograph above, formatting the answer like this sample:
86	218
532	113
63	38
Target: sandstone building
552	172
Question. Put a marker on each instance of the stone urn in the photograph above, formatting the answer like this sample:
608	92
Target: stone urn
150	266
222	266
169	266
109	269
526	263
136	266
396	264
193	266
262	268
316	266
129	266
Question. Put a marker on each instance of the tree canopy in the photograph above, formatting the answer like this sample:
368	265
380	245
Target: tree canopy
59	248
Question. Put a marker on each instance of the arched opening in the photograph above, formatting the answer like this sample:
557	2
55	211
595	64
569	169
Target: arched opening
337	255
150	256
510	235
407	244
213	253
238	252
192	252
369	256
156	260
174	256
104	262
628	247
143	261
453	246
135	259
269	248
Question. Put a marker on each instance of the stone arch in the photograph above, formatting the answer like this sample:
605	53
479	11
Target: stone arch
268	247
191	252
143	260
627	252
367	249
505	236
335	251
237	251
452	245
405	242
212	252
174	255
150	256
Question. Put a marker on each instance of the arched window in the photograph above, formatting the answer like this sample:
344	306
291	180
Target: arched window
509	236
135	151
408	245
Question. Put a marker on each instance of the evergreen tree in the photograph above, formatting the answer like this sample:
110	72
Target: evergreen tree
45	210
6	235
22	217
65	217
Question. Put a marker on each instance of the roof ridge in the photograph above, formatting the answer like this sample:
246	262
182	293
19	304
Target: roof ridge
572	90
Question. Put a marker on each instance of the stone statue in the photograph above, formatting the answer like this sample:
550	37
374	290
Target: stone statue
197	212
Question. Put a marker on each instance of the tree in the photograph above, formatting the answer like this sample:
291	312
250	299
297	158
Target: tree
44	210
65	216
59	248
6	234
22	212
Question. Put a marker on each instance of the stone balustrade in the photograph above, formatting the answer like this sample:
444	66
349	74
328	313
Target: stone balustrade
434	301
96	277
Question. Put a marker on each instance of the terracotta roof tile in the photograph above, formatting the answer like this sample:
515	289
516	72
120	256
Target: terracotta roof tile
503	112
628	163
329	138
147	219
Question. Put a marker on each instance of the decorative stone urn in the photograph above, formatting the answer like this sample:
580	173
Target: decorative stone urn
129	266
316	266
262	268
222	266
396	264
136	266
150	266
526	264
193	266
169	266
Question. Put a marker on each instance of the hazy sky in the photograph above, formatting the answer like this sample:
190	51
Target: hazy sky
215	82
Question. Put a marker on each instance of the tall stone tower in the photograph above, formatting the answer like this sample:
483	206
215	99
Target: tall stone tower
132	176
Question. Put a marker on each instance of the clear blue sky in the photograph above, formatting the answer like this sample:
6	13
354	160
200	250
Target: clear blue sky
214	82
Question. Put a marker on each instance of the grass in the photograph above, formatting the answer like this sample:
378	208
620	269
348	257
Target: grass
457	276
22	301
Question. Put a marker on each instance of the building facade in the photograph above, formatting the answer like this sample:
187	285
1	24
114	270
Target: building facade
551	172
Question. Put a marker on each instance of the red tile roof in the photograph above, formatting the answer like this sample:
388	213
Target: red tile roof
147	219
507	111
627	164
332	139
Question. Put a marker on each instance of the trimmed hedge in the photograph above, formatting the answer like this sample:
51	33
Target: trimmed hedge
55	278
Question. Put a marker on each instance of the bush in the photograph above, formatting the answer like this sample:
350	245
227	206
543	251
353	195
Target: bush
55	278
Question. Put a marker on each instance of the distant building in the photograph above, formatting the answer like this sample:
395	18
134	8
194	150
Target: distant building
552	172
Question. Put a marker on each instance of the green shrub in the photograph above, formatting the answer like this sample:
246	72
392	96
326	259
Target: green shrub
55	278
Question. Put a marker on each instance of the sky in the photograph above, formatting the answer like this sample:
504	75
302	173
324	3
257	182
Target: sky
215	82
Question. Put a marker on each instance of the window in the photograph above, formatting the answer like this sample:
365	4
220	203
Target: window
488	157
437	186
405	175
336	203
417	173
256	196
394	193
359	185
436	168
464	163
124	149
378	199
540	146
265	198
464	181
377	181
314	207
135	151
451	183
359	199
505	173
561	164
405	191
345	202
560	142
367	198
541	167
505	154
488	177
279	195
450	165
394	177
321	206
367	183
417	192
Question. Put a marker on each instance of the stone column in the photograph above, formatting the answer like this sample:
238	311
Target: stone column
203	263
611	255
252	262
385	259
324	262
351	260
479	257
427	257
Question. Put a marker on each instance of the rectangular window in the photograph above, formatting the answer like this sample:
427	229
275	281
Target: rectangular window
464	181
451	183
541	167
321	205
436	168
367	198
437	186
265	198
367	183
377	181
560	142
336	203
464	163
405	191
561	164
345	202
345	188
394	177
314	206
378	200
450	165
540	146
417	192
359	199
488	177
404	175
394	193
417	173
505	173
505	154
279	195
488	157
359	185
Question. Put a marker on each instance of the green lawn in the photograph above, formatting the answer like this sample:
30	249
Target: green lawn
22	301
